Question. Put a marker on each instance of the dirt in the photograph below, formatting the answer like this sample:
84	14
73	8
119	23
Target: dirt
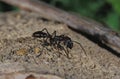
19	51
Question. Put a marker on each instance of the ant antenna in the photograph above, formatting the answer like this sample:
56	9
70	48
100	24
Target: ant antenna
81	46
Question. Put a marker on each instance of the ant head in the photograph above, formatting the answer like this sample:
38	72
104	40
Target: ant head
70	44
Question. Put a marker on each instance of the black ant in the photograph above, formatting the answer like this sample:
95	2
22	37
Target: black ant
57	41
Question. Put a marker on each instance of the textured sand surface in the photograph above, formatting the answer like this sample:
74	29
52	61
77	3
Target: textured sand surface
19	50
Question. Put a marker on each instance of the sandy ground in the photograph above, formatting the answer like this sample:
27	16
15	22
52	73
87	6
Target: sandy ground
19	51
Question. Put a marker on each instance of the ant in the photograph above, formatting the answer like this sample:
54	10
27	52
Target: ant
49	40
57	41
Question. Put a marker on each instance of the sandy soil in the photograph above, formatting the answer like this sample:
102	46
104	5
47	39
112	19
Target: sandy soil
19	51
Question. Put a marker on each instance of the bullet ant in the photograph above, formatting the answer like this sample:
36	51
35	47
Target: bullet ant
61	42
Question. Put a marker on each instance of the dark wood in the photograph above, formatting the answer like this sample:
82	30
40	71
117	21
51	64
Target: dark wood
89	27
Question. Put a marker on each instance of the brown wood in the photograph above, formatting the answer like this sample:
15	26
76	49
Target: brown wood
89	27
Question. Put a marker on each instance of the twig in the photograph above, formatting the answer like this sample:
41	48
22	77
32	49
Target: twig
89	27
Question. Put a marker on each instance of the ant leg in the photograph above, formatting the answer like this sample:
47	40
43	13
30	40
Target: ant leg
53	34
45	30
59	47
67	53
65	50
53	42
45	43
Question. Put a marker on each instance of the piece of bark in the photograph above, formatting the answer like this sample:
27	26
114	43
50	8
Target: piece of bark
23	75
89	27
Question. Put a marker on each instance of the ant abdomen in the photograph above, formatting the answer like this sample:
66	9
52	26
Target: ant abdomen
39	34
